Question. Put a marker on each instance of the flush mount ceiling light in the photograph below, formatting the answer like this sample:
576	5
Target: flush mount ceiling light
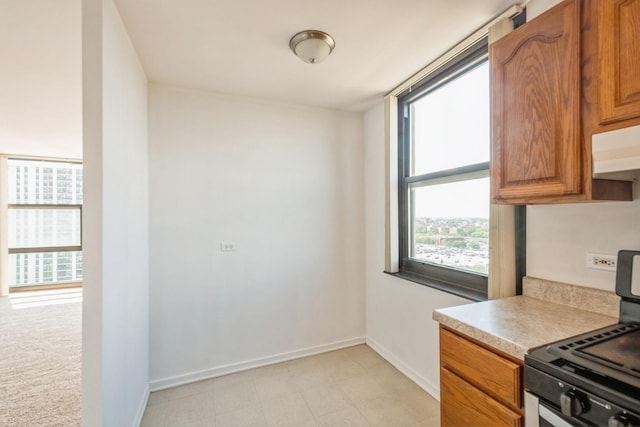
312	46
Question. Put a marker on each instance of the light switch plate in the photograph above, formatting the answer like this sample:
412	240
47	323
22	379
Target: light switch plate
227	246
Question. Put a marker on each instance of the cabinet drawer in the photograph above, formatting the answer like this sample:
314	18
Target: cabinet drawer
462	404
491	373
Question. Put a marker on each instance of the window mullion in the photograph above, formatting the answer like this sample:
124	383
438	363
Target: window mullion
406	167
445	177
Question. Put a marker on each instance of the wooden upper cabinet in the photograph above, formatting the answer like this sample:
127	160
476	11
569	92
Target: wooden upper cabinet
536	137
555	81
618	34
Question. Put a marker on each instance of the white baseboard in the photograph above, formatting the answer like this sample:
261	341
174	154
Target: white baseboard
219	371
428	386
142	407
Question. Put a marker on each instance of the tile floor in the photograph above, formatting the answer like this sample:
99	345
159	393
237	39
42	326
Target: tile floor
350	387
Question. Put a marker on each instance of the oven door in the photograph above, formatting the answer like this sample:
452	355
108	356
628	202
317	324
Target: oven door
538	413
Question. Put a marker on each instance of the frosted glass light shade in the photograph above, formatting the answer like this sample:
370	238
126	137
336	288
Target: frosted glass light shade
312	46
312	50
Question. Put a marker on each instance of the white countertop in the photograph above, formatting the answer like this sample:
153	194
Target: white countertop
517	324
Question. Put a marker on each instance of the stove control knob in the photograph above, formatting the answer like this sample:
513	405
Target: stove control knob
622	420
572	403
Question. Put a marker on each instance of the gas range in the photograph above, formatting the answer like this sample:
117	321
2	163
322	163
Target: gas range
593	378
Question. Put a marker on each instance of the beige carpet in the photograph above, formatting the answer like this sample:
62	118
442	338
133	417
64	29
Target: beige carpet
40	358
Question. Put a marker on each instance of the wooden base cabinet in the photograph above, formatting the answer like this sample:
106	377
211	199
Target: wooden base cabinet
478	386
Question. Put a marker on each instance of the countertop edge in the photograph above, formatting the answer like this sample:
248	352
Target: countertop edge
508	347
515	325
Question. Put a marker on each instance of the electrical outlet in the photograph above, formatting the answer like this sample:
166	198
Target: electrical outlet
602	261
227	246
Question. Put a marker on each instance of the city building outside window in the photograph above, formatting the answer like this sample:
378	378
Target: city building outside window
44	222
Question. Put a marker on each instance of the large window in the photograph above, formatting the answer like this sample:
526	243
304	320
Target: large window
44	222
444	177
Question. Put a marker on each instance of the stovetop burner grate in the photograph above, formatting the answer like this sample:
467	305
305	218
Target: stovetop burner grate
616	347
603	336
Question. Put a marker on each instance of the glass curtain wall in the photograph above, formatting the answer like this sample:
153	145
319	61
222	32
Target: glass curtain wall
44	222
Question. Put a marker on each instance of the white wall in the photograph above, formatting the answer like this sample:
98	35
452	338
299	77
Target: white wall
559	238
115	312
285	183
536	7
41	78
399	324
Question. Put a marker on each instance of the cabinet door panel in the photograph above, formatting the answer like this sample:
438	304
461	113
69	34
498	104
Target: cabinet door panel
464	405
536	107
619	50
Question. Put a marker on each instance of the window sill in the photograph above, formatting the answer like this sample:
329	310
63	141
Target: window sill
45	286
441	286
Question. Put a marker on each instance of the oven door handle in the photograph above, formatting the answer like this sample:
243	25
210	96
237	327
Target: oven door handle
550	417
537	414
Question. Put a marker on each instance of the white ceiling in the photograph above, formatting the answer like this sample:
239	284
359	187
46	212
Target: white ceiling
237	47
241	47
